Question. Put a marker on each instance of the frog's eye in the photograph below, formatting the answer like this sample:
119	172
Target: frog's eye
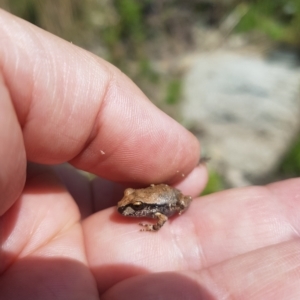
138	205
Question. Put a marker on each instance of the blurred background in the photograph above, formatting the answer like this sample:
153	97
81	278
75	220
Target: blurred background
227	70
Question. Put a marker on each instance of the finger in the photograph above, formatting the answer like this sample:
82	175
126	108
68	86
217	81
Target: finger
194	183
12	152
105	193
90	194
79	187
163	286
30	222
268	273
75	107
215	228
42	251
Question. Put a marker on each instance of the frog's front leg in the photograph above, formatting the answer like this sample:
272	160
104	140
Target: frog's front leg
162	219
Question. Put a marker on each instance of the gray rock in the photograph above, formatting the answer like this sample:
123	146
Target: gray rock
245	111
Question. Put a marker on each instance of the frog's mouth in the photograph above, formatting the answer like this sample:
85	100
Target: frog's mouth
126	211
134	211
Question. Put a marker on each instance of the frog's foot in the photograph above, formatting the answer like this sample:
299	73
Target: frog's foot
155	227
147	227
184	204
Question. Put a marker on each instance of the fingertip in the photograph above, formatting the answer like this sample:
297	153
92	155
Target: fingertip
194	183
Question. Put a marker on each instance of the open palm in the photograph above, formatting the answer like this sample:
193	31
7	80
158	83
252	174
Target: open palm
58	241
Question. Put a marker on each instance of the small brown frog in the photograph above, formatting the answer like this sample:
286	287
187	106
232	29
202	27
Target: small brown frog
156	201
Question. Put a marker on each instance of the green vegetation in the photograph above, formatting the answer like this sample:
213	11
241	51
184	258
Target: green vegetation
290	166
28	10
173	91
146	71
131	20
215	183
127	32
279	20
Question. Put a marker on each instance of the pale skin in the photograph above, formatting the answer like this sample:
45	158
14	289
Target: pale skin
58	104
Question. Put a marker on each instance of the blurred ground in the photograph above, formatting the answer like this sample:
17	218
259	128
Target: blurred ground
245	110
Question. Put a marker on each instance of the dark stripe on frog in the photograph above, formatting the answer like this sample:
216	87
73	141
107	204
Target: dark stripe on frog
149	210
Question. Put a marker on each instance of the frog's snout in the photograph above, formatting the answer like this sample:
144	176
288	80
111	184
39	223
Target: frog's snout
121	209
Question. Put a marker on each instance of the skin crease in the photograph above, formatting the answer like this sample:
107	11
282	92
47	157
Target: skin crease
59	104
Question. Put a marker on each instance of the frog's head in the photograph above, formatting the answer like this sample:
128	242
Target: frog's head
131	204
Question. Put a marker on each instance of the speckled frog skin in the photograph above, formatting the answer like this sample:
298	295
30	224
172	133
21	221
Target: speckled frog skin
156	201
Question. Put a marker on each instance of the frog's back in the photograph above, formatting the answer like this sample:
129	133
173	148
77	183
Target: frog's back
160	194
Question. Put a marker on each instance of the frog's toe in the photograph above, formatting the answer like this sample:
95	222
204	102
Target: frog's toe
147	227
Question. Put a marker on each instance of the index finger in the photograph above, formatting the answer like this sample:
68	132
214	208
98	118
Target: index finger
73	106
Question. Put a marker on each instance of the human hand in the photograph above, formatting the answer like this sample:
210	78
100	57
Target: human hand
60	103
